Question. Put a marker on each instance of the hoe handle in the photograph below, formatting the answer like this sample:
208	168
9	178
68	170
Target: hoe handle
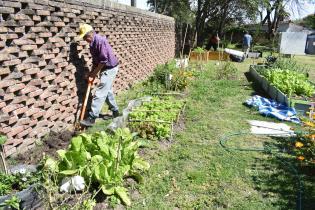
90	82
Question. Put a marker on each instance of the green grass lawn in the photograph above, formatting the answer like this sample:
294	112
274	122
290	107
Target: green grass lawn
195	172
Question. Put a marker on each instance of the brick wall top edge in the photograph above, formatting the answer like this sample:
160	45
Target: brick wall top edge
106	4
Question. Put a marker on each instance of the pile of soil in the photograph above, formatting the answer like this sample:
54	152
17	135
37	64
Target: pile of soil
53	142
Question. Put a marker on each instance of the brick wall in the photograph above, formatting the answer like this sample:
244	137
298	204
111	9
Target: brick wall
42	62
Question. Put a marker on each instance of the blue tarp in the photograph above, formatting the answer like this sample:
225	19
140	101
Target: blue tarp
269	107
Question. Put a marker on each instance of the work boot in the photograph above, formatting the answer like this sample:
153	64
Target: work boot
116	114
88	122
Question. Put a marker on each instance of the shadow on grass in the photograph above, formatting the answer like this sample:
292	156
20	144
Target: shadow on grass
285	178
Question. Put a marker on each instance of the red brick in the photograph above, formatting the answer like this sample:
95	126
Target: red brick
43	12
11	107
32	71
38	29
9	151
42	123
20	110
30	101
8	36
35	93
23	66
26	78
43	73
15	130
24	133
11	62
8	97
4	117
40	104
4	70
29	47
2	104
29	88
23	42
19	99
7	83
38	114
45	34
45	94
15	87
35	82
32	111
13	119
26	22
6	57
20	16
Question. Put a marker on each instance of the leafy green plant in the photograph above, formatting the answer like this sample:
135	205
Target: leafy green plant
199	50
289	82
153	119
13	202
17	181
102	160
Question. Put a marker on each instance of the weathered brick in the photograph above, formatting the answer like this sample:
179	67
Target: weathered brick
38	114
2	104
35	82
26	22
30	101
9	151
29	47
43	12
11	107
45	34
23	66
19	99
23	42
35	93
16	130
11	62
28	89
27	11
6	10
20	110
3	118
32	71
6	83
14	88
37	18
38	29
45	94
6	57
20	16
39	41
8	36
12	4
43	73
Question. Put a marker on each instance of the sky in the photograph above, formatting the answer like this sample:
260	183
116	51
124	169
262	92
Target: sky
308	7
142	4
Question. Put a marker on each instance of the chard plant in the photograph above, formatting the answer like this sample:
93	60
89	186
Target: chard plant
103	160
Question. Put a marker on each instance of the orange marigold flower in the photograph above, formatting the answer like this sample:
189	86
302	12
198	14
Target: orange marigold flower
313	161
301	158
299	144
309	124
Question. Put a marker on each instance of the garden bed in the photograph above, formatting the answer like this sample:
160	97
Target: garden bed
300	103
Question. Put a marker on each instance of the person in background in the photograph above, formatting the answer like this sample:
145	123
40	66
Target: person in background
105	63
247	40
213	42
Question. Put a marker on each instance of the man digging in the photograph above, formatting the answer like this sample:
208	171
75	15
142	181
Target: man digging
105	63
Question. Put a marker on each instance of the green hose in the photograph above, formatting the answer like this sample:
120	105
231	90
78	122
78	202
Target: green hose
269	150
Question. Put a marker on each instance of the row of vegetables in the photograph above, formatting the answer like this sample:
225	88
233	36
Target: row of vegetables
292	79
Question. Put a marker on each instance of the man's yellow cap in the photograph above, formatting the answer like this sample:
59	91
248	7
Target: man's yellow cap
84	29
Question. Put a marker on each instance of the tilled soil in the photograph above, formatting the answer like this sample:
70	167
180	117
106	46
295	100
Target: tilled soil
53	142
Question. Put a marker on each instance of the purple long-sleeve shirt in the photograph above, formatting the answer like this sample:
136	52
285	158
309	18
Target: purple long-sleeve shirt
102	52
